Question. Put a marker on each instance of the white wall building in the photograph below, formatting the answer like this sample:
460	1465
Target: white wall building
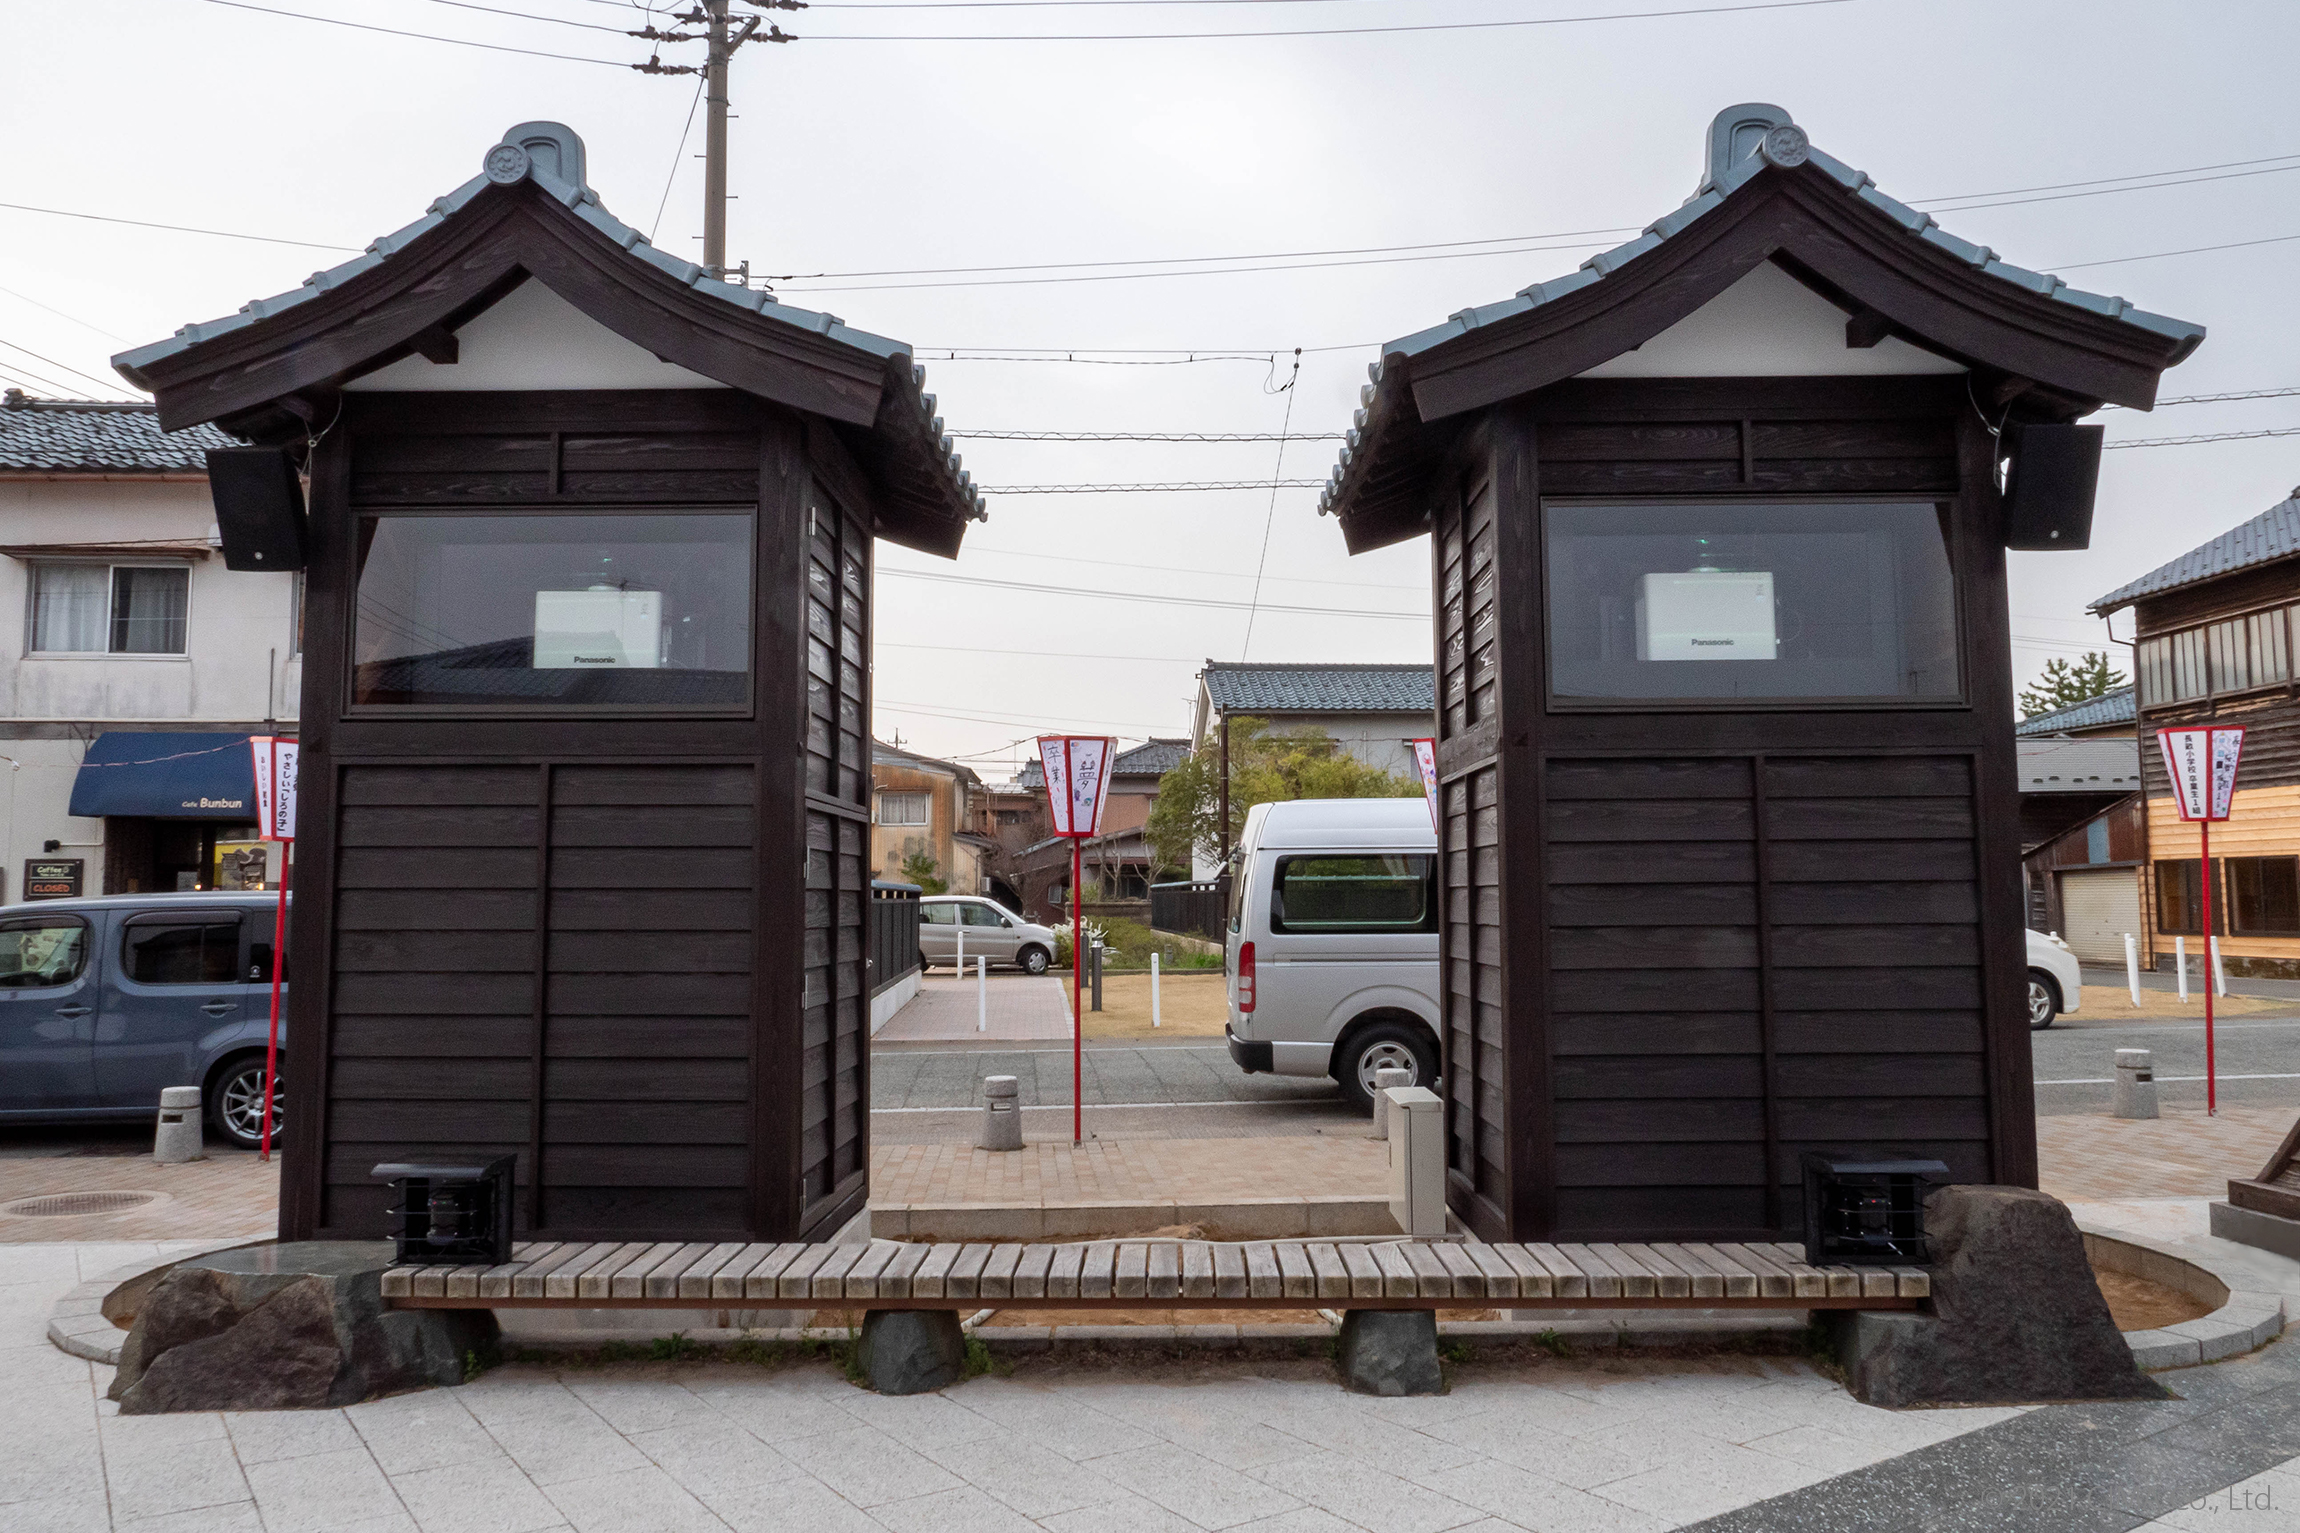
123	637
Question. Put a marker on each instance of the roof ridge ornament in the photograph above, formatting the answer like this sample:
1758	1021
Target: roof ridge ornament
1753	127
542	148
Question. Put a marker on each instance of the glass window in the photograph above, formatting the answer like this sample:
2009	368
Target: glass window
2180	899
938	915
981	915
622	608
148	606
46	950
181	950
904	808
1747	600
1353	894
2271	657
69	602
2264	895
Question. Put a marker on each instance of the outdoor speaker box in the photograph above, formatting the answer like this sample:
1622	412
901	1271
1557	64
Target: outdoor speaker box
259	507
2048	496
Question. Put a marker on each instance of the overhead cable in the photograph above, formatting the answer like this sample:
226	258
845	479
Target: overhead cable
2217	436
428	37
1153	487
1152	600
1424	26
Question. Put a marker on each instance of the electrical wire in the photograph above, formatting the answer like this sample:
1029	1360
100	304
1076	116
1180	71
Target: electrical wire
1150	488
1270	519
62	366
561	21
678	156
1425	26
1151	600
1144	436
428	37
1202	574
2190	441
60	314
1037	654
138	223
2158	255
2199	399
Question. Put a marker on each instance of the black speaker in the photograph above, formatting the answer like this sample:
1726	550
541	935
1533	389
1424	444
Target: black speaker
259	507
2048	494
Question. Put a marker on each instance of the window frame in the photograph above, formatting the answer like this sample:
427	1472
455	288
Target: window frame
1944	505
111	569
61	918
347	623
211	917
1427	926
2229	872
2205	650
2192	921
923	795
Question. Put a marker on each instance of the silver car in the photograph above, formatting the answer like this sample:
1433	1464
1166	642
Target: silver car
989	930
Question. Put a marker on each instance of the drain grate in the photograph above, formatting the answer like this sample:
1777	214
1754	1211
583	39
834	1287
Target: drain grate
61	1204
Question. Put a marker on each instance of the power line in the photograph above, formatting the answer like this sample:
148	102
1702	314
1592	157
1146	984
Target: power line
2217	436
1040	654
67	367
1427	26
1145	436
1148	488
1177	569
1156	601
1270	518
428	37
138	223
678	157
2202	399
2158	255
60	314
559	21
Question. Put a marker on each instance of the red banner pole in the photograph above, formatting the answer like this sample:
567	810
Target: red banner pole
1077	1004
2211	969
272	1045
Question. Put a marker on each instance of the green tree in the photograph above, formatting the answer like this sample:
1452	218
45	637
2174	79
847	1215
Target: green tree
1266	766
920	869
2064	685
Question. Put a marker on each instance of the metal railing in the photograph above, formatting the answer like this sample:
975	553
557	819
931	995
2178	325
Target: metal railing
893	933
1188	909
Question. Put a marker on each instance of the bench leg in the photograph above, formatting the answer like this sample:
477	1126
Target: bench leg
912	1351
1391	1352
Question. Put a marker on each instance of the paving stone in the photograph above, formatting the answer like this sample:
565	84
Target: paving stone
963	1510
712	1457
868	1467
1033	1480
319	1492
480	1496
634	1501
1367	1495
1196	1488
174	1477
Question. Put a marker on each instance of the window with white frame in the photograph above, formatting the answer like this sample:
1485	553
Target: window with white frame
904	808
116	609
2239	654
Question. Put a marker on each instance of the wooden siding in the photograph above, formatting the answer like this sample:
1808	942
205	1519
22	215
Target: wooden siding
2262	822
1684	946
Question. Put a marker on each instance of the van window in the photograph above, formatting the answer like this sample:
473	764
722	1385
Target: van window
1354	894
181	950
42	950
938	915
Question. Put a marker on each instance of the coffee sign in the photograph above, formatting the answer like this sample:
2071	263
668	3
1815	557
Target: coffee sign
53	878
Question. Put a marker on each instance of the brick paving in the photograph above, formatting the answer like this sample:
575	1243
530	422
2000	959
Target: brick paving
228	1194
1132	1171
2183	1154
946	1008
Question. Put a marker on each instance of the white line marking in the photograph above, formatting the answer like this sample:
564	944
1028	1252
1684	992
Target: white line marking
1117	1106
2110	1080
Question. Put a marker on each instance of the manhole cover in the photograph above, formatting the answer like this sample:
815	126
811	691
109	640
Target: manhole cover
59	1204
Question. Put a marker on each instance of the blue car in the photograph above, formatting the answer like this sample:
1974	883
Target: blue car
105	1002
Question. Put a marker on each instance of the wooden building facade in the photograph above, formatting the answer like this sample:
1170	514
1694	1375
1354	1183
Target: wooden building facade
585	795
2214	634
1730	845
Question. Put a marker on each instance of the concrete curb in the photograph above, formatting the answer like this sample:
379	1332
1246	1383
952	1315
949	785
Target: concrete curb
2243	1318
77	1323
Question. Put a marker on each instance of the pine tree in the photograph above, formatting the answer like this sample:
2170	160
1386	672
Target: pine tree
2064	686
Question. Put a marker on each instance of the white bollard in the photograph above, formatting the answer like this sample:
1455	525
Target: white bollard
1001	1114
2180	962
1153	989
2135	1085
1384	1079
959	969
1417	1160
981	994
178	1138
2219	974
2132	968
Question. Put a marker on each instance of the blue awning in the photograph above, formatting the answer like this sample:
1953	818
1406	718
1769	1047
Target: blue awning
167	776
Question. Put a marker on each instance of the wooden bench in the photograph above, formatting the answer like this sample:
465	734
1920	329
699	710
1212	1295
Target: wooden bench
1372	1273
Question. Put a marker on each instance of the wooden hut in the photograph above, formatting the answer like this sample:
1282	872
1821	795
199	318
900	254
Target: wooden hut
1725	724
586	776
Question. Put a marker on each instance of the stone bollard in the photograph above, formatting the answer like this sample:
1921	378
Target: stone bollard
178	1139
1001	1114
1417	1160
2135	1084
1383	1081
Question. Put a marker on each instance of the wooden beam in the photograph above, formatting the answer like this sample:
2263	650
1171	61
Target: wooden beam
437	344
1865	329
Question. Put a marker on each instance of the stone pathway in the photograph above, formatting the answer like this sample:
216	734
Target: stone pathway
1133	1171
1602	1443
1021	1009
229	1194
2182	1154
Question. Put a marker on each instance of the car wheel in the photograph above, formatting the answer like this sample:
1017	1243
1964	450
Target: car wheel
236	1103
1034	960
1386	1046
2043	1000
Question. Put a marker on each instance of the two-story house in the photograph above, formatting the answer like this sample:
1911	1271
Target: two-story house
133	666
924	806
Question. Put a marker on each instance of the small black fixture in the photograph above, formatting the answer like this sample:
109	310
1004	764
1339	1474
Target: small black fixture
448	1216
1868	1211
259	508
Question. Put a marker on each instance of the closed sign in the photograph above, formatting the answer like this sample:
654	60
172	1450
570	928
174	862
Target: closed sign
53	879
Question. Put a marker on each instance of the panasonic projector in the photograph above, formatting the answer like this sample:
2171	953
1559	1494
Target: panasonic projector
1706	615
604	627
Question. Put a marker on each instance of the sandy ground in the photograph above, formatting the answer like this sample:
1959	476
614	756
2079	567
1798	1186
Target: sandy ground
1191	1004
2113	1003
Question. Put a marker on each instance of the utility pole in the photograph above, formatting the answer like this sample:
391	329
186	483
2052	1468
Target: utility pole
721	43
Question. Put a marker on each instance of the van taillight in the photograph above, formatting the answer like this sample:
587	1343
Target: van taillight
1245	976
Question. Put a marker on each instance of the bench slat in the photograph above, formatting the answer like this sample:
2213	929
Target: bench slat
963	1278
1197	1270
1062	1277
664	1278
1431	1279
430	1282
1773	1279
763	1279
1500	1277
797	1279
1365	1273
1398	1280
1702	1281
998	1272
1030	1272
1131	1276
1568	1281
1166	1270
1598	1277
1915	1282
894	1280
527	1282
1468	1277
1331	1277
1638	1281
1263	1279
1297	1278
1230	1280
560	1281
1808	1281
862	1279
1098	1272
1878	1283
1533	1279
495	1282
695	1282
830	1279
622	1275
1740	1282
1670	1280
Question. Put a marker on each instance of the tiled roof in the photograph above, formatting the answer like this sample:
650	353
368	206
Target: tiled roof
2094	713
1743	142
1240	688
1155	755
2273	534
2079	766
77	436
551	155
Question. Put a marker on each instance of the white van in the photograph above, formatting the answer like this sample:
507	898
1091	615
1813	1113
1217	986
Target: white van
1332	948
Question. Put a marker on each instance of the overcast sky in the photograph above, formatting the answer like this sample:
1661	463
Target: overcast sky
856	153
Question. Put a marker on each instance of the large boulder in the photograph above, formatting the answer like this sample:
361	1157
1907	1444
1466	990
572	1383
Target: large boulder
2016	1315
1390	1352
282	1326
911	1351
